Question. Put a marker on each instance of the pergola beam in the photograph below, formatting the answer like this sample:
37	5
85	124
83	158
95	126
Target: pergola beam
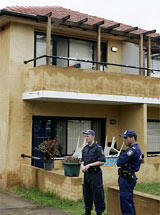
48	14
98	23
130	29
111	27
149	32
158	37
65	18
82	21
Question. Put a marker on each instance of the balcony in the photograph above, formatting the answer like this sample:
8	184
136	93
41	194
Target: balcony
91	86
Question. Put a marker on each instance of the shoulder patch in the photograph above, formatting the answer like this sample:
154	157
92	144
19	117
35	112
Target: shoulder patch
130	152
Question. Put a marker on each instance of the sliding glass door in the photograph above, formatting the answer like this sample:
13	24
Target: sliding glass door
67	131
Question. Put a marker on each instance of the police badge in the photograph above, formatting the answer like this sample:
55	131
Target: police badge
130	152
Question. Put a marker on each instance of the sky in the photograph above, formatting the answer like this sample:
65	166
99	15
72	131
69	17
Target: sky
142	13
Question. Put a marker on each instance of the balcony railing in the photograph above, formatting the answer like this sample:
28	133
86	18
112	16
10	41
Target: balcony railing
102	64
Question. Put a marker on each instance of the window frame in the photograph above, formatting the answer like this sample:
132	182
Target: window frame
151	152
104	45
102	120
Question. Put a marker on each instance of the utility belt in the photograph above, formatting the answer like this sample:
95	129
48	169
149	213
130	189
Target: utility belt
94	169
128	174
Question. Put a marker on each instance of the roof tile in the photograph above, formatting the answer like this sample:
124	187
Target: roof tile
59	12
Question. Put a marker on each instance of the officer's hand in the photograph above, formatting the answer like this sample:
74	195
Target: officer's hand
83	168
87	166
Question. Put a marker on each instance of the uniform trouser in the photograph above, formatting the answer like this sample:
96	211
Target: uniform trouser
126	195
93	192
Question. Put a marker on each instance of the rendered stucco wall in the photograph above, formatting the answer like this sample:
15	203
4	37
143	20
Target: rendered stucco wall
135	117
90	81
144	203
4	97
17	45
114	57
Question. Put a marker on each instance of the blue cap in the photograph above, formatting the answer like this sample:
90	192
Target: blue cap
89	132
129	133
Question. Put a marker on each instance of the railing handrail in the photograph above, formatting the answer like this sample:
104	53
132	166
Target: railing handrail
90	61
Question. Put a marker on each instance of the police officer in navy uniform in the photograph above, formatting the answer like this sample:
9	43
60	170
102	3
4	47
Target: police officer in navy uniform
129	163
92	158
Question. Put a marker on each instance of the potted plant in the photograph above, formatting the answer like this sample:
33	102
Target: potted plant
50	149
71	166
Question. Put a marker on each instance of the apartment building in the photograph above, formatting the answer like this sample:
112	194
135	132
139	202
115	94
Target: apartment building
62	72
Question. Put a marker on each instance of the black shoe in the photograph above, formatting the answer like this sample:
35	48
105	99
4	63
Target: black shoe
87	213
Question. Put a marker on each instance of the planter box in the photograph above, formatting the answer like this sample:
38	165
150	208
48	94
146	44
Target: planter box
48	164
71	169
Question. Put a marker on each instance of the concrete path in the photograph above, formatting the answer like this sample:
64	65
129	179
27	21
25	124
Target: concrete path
11	204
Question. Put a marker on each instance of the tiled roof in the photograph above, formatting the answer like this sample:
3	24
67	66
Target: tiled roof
60	12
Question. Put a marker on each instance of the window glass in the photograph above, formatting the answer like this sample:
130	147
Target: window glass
81	50
73	48
62	51
75	133
153	137
155	64
67	131
40	48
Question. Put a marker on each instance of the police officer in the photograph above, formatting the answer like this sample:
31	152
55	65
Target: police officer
129	163
92	158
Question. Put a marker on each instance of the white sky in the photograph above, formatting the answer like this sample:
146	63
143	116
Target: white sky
142	13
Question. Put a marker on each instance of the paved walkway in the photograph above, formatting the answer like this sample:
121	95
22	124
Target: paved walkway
11	204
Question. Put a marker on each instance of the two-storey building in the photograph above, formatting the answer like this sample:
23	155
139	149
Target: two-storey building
66	91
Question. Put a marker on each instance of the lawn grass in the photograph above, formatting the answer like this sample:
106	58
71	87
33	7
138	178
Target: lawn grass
151	188
50	199
76	208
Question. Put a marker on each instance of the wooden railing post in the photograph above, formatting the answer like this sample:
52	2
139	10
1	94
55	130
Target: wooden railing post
141	72
149	56
98	47
48	39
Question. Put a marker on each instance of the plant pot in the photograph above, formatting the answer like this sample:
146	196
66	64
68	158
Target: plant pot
48	164
71	169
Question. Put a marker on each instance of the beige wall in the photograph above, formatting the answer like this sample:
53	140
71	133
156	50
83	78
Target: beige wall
4	96
114	57
144	203
134	117
89	81
16	43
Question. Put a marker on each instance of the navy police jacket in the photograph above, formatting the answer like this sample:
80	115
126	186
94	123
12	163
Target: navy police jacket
93	153
130	159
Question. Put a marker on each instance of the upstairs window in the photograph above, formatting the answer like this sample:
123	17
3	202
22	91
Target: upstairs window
71	48
155	63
